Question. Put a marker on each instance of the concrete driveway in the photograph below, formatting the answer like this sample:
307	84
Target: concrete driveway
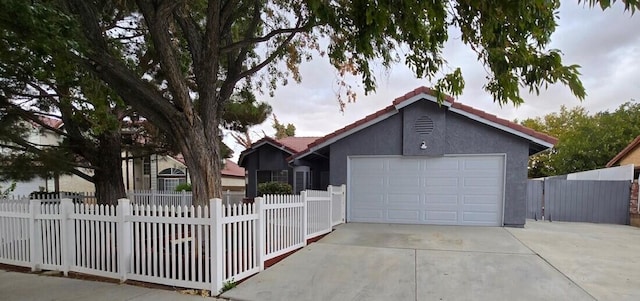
544	261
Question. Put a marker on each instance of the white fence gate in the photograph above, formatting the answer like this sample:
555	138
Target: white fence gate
185	246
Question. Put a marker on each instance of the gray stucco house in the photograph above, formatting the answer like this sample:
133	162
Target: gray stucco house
414	162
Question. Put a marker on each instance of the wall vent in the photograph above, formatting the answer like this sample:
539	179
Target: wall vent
424	125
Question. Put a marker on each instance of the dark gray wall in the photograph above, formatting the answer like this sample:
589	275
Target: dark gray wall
382	138
461	136
435	140
266	157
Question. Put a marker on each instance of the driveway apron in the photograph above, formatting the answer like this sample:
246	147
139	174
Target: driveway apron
412	262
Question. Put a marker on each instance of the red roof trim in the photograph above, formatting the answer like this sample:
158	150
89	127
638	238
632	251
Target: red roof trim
624	152
424	90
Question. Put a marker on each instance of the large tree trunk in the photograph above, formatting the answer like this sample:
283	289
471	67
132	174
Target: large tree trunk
108	173
202	157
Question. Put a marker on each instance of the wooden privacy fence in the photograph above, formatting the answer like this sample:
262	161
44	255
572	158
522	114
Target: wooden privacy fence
185	246
579	200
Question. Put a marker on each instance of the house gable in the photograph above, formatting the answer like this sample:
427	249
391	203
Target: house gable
629	155
537	141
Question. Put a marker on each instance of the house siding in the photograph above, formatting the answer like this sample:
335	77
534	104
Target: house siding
265	157
453	134
633	157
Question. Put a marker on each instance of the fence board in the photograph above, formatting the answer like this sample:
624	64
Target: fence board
587	201
534	199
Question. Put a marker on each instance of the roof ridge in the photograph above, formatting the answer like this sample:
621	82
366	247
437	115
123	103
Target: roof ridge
456	105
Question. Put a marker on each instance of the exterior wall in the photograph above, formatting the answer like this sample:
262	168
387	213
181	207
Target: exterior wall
73	183
233	184
633	157
435	141
461	136
265	157
382	138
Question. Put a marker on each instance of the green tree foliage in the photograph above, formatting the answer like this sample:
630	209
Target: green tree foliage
4	192
585	141
178	63
282	130
241	113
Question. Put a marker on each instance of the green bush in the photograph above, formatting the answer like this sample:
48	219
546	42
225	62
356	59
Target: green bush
183	187
274	188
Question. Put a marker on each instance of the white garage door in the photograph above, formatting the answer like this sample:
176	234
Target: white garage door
452	190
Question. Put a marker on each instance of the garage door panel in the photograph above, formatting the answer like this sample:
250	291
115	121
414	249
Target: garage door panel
441	199
464	190
368	214
397	182
374	166
368	182
404	166
404	216
480	182
403	199
449	217
482	163
442	181
368	199
440	164
479	217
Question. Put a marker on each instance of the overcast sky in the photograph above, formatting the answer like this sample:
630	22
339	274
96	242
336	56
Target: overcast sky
606	45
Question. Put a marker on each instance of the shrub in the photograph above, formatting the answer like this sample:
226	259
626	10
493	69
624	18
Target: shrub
183	187
274	188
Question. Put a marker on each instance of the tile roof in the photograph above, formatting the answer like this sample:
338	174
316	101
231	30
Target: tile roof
232	169
448	101
51	122
297	143
624	152
292	145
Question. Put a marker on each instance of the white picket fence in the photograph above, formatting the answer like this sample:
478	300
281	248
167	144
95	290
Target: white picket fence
184	246
177	198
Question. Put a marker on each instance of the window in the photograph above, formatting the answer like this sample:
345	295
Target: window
264	176
170	184
170	178
146	165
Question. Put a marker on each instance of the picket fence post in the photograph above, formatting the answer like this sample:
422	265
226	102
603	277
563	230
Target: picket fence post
305	216
217	247
67	235
124	238
260	231
343	201
330	191
35	233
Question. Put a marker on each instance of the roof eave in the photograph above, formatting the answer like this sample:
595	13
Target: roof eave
331	140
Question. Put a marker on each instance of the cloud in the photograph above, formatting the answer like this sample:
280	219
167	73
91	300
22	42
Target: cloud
605	44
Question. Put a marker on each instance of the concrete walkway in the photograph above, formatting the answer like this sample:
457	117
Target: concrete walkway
34	287
414	262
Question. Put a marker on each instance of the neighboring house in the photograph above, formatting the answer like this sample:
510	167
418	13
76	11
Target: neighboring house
42	136
155	172
629	155
158	172
416	162
267	161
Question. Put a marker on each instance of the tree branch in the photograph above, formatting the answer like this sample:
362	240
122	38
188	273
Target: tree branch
140	94
157	21
248	42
